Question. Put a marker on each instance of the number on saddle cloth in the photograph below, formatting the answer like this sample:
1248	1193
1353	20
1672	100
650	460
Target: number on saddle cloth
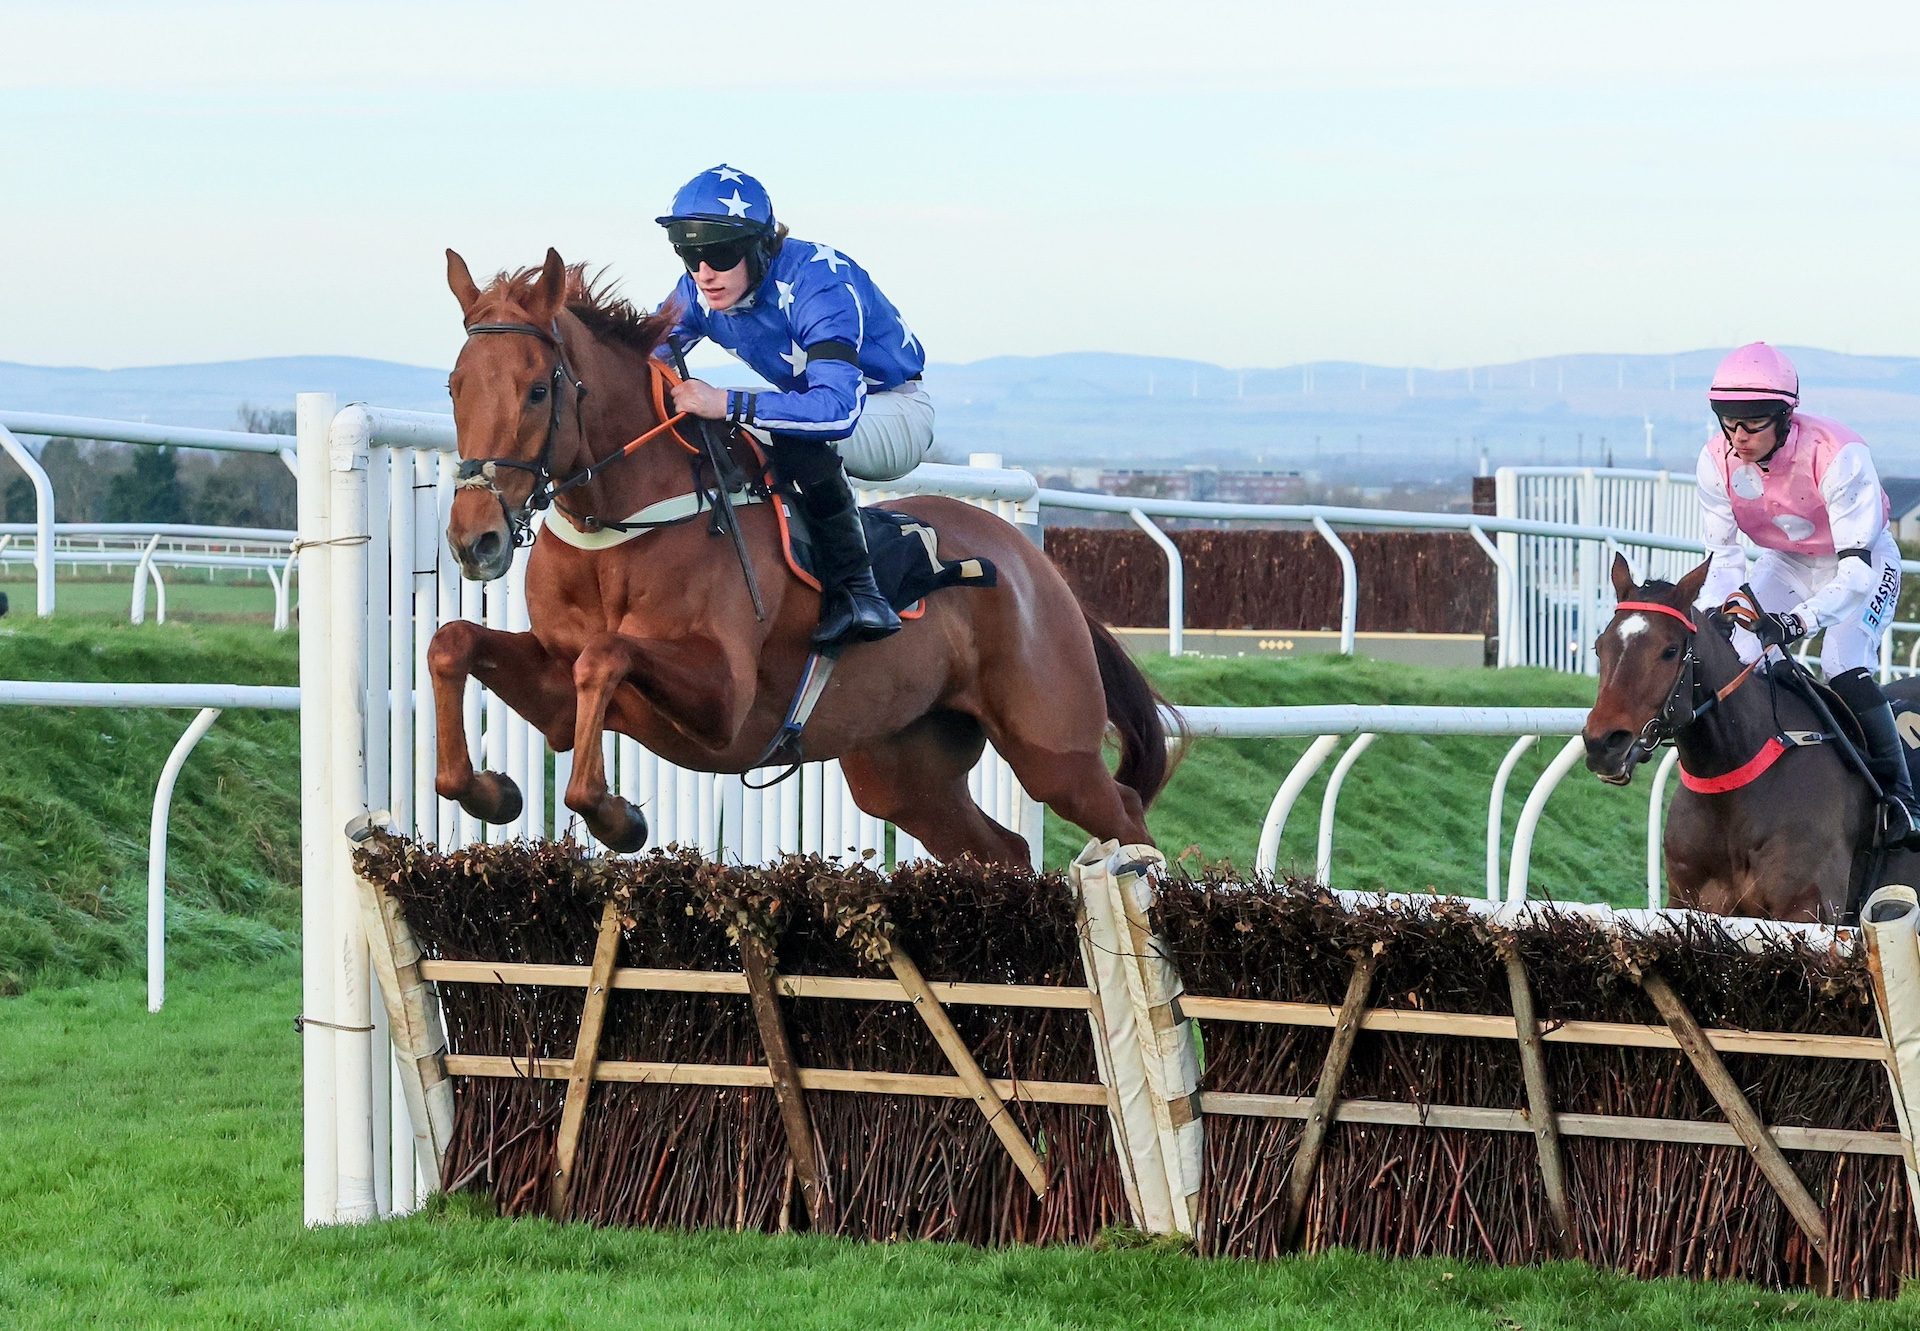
905	555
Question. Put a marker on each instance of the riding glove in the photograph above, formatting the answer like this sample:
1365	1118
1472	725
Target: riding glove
1773	630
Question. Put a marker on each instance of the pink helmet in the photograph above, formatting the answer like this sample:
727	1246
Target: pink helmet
1755	373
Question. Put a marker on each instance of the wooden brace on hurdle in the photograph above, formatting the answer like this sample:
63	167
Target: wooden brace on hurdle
991	1105
586	1054
1546	1126
802	1149
1740	1114
1306	1157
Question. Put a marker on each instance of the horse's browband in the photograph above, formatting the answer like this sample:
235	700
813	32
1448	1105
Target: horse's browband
1657	609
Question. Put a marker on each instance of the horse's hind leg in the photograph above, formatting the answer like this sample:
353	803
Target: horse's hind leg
917	780
518	670
1078	787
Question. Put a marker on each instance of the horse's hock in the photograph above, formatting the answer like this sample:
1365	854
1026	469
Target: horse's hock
665	1041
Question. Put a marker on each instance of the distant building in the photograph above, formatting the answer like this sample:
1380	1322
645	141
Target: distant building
1235	487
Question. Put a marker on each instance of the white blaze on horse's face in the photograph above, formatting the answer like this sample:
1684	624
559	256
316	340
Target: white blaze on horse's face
1632	627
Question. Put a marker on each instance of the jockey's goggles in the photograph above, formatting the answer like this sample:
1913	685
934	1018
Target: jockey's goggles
721	258
716	244
1744	419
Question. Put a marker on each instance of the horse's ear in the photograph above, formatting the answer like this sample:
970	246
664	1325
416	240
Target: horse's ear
1689	586
544	304
1623	585
460	282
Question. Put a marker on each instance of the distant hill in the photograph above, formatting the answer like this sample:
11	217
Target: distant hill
1342	419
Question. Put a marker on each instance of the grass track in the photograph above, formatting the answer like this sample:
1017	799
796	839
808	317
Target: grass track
189	596
149	1178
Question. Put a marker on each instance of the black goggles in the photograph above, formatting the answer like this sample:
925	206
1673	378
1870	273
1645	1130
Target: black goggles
722	257
717	244
1752	417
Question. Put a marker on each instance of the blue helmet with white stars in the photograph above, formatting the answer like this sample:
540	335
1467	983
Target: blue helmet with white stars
721	216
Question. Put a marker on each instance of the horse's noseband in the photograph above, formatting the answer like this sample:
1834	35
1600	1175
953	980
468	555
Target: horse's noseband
481	473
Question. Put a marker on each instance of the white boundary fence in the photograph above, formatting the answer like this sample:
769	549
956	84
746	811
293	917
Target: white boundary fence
16	423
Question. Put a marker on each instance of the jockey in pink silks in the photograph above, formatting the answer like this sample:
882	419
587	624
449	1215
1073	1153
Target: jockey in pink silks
1805	491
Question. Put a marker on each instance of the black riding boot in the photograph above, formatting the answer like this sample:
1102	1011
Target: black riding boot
851	606
1886	755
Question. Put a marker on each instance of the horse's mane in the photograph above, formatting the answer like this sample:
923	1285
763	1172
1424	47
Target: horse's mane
595	300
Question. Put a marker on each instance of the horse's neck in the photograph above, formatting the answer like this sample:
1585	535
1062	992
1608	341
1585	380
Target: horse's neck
1741	725
619	407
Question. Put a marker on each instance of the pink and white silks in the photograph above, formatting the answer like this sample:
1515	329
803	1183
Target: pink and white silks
1817	497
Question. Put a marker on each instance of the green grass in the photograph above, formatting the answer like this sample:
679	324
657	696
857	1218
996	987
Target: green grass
76	791
149	1177
189	596
1412	814
77	787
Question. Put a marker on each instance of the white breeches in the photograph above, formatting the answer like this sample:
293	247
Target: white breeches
893	435
1852	641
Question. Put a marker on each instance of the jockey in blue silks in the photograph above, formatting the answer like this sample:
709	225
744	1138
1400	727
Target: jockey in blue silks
844	366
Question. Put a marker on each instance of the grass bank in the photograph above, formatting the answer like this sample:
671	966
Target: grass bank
76	791
77	786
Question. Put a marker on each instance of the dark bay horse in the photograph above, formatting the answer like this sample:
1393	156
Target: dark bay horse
657	638
1758	827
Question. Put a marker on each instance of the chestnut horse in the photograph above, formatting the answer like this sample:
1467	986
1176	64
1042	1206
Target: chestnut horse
657	638
1758	827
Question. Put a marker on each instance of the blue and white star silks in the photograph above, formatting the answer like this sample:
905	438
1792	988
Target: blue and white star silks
819	330
736	206
726	173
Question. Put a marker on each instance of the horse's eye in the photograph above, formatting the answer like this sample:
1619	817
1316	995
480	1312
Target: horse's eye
537	394
1670	653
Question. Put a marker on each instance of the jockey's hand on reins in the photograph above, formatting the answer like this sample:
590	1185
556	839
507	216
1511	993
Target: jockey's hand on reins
1773	630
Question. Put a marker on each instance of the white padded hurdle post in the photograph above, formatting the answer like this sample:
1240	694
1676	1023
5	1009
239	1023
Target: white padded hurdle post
1145	1046
1888	921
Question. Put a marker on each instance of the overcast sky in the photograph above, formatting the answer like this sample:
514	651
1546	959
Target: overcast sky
1436	183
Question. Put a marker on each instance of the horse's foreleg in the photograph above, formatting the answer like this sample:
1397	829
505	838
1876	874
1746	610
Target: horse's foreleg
690	682
519	671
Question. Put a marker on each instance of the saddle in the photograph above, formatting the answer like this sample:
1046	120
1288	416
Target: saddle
904	550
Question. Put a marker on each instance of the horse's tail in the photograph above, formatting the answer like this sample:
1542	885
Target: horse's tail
1134	708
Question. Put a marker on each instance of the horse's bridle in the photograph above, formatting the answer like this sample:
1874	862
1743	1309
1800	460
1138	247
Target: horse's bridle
481	473
1679	710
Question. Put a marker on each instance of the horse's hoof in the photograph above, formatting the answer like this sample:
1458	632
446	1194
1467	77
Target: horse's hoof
618	826
492	797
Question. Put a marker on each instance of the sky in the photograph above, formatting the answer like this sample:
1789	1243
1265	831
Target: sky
1436	184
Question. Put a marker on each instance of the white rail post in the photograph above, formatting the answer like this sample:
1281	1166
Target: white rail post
1349	586
1267	856
1496	806
1656	821
318	834
1507	653
1176	581
346	703
157	856
138	612
42	520
1530	816
1323	852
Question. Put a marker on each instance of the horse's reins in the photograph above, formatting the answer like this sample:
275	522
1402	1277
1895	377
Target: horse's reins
480	473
